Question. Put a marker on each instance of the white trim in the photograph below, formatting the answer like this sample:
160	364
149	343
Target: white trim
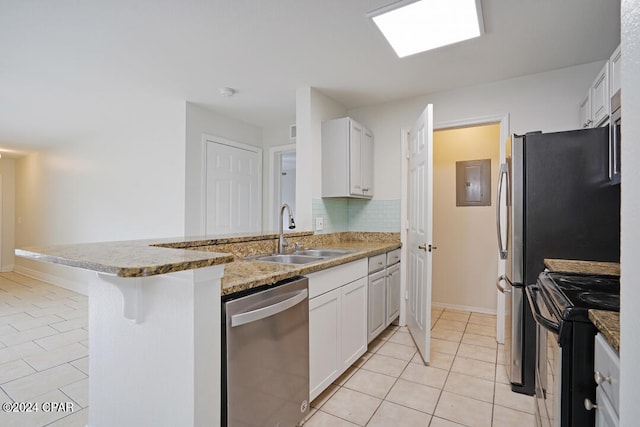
404	223
203	173
7	268
504	121
463	308
474	121
72	285
272	184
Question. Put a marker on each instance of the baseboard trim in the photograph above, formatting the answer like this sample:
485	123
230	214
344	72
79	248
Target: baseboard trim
72	285
8	268
463	308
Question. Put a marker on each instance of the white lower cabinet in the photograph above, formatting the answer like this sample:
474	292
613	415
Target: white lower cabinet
607	377
353	314
393	292
324	341
377	302
337	322
384	292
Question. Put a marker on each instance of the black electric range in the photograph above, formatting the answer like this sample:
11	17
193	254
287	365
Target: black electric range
560	304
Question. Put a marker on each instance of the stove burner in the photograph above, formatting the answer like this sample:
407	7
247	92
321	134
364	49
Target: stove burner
601	300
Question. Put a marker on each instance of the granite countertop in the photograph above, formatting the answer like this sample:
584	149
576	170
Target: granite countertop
142	258
137	258
245	274
583	267
608	323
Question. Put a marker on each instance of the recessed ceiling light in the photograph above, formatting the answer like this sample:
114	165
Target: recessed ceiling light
415	26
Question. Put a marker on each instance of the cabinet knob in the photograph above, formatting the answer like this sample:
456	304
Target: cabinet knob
589	405
599	378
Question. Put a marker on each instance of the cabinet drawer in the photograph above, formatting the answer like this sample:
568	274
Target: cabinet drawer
327	280
377	262
393	257
607	365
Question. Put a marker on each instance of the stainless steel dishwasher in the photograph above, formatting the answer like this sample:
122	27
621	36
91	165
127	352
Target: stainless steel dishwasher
266	358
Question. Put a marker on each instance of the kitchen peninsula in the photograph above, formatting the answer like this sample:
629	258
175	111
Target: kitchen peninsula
155	311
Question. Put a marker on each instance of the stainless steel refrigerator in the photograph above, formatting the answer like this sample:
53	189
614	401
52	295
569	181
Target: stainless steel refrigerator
560	204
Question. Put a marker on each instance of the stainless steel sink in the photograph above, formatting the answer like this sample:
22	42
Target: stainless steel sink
302	256
289	258
323	252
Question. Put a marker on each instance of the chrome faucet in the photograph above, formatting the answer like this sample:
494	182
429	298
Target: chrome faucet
282	242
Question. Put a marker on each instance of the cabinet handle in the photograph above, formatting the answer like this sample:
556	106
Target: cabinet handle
599	378
589	405
423	247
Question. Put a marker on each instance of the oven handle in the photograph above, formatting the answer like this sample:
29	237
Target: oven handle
531	292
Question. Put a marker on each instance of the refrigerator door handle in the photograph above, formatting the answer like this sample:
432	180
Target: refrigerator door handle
504	172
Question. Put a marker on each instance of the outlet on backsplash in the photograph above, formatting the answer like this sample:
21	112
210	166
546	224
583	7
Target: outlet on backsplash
319	223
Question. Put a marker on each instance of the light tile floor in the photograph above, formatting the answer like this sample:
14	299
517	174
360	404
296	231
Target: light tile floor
464	384
44	356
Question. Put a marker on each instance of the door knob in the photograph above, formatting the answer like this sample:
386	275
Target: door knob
424	247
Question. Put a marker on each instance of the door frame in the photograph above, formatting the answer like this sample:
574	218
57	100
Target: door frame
504	121
203	173
273	185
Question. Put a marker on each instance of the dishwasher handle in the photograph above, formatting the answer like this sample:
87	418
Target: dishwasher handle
268	311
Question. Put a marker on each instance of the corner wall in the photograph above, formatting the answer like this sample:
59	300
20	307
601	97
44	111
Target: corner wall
8	173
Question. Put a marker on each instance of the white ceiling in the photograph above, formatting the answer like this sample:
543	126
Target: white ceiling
68	67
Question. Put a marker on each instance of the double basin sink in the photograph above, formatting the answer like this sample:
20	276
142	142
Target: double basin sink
302	256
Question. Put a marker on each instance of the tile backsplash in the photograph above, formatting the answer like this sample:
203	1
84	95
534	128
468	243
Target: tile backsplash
357	215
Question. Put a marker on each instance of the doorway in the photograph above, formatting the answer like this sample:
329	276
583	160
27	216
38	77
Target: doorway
282	185
465	264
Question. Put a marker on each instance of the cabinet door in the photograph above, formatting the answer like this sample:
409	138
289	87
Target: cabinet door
614	71
377	304
393	292
354	321
585	113
355	160
325	324
366	165
600	101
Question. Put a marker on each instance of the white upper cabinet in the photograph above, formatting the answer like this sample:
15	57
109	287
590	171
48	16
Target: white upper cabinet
600	99
614	71
347	159
585	112
603	94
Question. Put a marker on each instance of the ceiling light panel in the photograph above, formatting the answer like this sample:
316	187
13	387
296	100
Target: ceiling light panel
413	27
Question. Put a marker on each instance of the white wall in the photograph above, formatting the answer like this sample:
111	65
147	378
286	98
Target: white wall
630	227
546	101
273	135
8	173
312	108
126	182
201	121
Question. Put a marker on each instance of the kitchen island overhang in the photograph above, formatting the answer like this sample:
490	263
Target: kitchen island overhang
154	319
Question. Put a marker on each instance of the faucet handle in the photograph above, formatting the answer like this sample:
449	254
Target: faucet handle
297	246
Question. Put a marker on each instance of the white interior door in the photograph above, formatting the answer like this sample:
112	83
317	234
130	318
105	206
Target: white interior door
420	231
233	188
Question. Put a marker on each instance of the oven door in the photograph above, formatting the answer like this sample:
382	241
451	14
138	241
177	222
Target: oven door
548	360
